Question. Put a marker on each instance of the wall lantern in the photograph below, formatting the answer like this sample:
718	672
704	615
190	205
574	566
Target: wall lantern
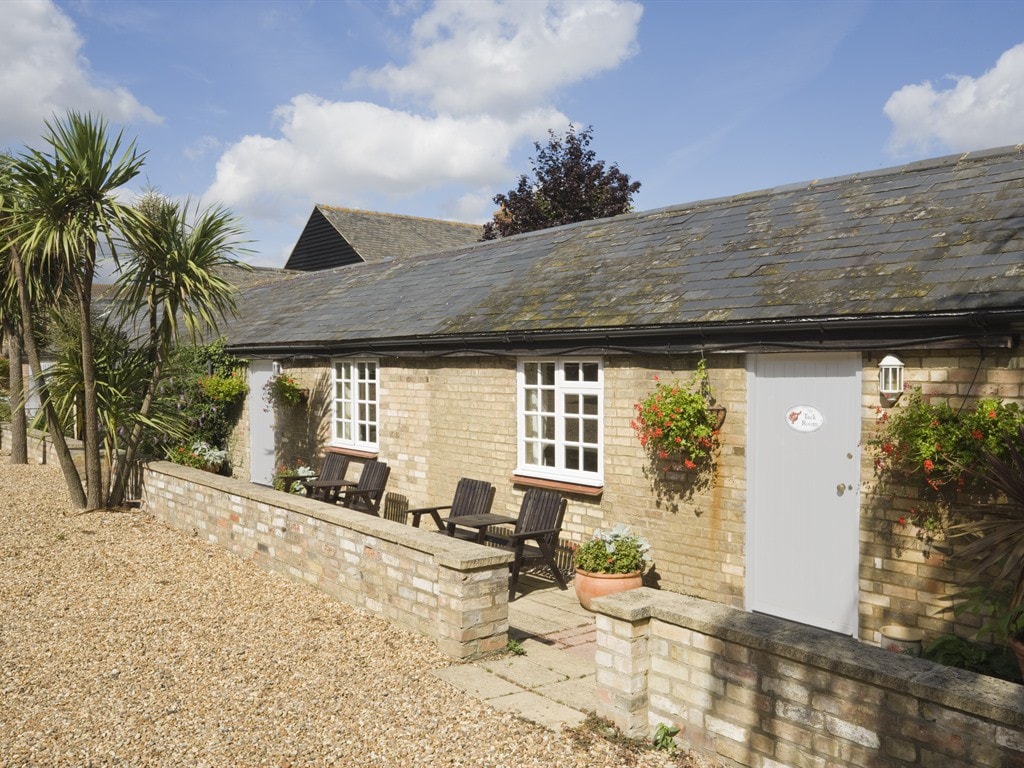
890	378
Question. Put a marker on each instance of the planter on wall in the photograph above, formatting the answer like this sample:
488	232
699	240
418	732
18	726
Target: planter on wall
593	585
902	639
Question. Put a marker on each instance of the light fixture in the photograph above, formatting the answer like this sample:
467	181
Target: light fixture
890	378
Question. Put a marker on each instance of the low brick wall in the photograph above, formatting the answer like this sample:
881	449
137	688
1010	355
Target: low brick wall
451	590
757	691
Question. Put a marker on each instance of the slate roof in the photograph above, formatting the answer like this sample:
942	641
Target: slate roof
936	244
338	236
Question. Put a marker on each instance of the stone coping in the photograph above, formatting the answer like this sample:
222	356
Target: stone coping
447	551
960	689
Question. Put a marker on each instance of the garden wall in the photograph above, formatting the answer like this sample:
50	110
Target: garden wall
453	591
761	692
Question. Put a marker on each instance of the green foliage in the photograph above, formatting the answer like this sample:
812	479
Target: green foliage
926	450
953	651
569	184
663	738
225	390
199	455
614	551
676	422
515	647
206	387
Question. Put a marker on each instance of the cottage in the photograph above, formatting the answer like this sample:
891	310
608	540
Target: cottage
519	361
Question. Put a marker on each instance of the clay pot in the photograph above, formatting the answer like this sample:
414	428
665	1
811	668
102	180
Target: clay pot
593	585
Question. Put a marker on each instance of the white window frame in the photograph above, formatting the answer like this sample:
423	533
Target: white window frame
356	424
527	464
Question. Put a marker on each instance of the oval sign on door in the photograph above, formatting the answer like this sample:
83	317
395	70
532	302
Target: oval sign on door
804	418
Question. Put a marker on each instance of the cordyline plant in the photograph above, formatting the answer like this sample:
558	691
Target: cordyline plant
676	422
991	538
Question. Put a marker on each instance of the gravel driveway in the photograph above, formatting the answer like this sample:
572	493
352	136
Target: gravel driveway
123	642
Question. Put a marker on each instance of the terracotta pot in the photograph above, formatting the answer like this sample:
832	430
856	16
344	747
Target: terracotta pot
592	585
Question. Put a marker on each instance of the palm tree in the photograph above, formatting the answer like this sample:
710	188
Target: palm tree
68	209
10	321
173	277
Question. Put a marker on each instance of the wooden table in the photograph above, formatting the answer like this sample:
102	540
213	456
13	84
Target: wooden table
480	522
329	488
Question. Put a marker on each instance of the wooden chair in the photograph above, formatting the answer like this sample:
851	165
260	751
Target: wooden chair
472	497
368	493
536	535
334	468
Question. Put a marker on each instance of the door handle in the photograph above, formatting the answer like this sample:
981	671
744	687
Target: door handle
840	489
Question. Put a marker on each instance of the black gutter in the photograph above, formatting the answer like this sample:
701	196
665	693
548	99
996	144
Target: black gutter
991	329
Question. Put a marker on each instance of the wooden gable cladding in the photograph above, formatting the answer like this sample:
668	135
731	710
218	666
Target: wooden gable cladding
321	246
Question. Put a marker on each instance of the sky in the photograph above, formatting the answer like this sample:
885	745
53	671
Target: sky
431	108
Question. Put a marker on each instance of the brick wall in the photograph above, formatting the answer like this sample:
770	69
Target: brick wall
900	582
756	691
447	589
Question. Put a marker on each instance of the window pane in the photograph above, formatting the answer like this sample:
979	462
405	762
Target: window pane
590	459
548	401
548	374
572	430
572	459
590	371
590	405
548	423
572	371
572	403
532	400
549	455
530	426
530	373
590	431
533	453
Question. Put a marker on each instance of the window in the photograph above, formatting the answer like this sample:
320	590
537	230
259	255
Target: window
560	417
355	404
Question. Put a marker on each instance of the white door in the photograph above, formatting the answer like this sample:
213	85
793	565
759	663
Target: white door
261	424
803	488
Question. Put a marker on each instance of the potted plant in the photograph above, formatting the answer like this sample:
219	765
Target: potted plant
677	423
282	389
993	546
612	561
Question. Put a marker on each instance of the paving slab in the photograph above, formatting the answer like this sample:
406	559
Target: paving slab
524	671
579	693
539	709
476	681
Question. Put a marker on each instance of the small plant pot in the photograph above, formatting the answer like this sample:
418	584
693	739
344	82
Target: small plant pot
589	586
903	640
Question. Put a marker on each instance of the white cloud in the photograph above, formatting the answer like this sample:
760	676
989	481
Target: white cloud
504	58
43	74
340	152
975	113
482	75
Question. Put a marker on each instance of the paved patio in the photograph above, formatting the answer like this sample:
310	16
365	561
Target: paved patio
553	683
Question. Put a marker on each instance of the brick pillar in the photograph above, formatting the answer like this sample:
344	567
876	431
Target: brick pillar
623	659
